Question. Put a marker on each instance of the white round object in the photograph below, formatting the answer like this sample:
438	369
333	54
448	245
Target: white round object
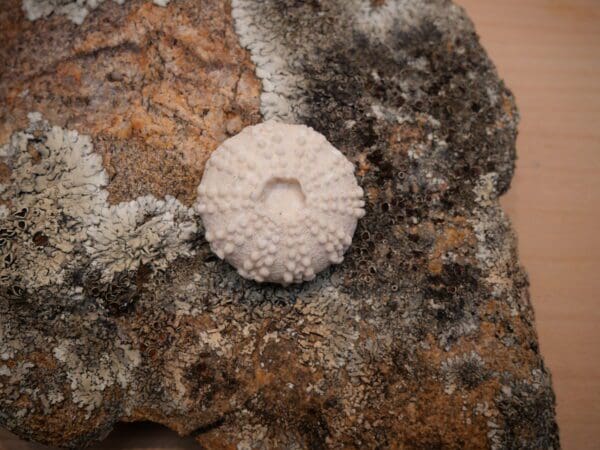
279	202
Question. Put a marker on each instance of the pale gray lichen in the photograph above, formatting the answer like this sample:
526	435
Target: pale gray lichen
56	217
491	225
381	21
88	381
75	10
145	230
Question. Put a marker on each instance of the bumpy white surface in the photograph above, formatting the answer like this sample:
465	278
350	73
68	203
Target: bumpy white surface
57	191
75	10
279	202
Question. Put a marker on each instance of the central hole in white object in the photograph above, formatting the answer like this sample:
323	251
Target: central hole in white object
283	198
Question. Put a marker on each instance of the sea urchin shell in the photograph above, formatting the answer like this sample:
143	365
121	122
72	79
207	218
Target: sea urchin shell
279	202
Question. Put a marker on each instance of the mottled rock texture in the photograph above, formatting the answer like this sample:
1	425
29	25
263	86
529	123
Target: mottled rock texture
423	338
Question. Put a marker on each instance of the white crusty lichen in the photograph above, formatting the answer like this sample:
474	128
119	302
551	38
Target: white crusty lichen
145	230
56	216
88	380
75	10
279	202
488	219
273	62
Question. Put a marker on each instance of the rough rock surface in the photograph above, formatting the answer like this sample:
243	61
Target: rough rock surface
112	305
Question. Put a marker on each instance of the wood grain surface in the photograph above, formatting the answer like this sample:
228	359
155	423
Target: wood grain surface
548	51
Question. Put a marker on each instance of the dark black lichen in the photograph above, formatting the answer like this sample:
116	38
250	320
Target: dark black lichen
526	408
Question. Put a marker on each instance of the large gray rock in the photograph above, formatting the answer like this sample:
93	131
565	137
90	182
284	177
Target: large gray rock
112	305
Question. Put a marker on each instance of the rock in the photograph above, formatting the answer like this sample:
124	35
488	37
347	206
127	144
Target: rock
113	307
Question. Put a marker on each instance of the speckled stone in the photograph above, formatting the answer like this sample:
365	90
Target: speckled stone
422	338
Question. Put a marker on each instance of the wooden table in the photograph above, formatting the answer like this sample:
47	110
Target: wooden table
548	51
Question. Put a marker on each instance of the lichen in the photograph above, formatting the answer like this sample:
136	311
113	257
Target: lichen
57	219
279	57
88	379
75	10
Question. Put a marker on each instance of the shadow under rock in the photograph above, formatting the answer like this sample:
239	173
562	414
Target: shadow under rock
125	436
